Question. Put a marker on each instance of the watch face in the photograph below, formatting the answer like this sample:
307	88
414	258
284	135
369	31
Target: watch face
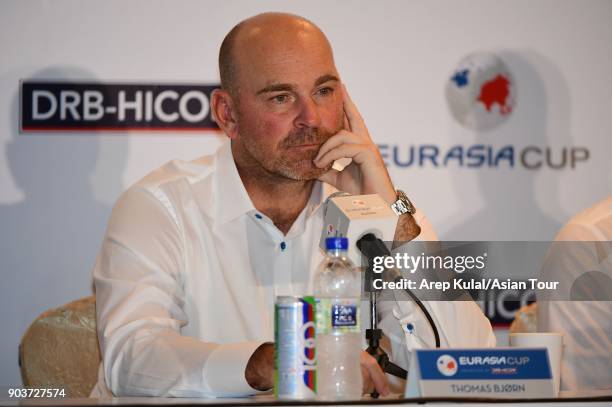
399	207
403	204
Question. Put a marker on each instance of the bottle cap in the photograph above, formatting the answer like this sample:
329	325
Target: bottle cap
336	243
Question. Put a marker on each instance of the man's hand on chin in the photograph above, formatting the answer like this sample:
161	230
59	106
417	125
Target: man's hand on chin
366	174
259	372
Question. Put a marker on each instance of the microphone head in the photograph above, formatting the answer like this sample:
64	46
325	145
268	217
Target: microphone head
371	246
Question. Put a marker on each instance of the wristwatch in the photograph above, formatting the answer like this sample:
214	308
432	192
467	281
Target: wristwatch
403	204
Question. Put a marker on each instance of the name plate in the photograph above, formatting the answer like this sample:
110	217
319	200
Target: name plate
491	373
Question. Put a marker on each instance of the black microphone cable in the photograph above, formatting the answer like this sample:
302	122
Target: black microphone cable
371	246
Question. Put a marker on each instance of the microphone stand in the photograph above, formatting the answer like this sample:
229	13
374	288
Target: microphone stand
374	334
370	246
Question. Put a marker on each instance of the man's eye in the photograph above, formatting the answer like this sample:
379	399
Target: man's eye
325	91
280	99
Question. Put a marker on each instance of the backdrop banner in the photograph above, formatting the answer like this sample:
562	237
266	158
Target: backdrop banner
494	118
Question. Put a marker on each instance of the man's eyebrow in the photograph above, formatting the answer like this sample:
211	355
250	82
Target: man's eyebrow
286	87
276	87
326	78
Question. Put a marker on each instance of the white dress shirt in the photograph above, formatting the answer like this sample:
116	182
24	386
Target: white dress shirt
187	276
586	325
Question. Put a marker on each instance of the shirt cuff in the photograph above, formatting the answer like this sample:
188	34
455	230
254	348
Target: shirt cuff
225	367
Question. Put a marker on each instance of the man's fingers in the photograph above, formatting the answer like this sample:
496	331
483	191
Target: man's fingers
355	151
377	376
347	125
355	121
330	177
341	137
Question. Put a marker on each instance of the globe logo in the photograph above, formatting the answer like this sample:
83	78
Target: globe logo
480	92
447	365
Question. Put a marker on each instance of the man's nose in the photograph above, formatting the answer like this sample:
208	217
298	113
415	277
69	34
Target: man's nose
308	115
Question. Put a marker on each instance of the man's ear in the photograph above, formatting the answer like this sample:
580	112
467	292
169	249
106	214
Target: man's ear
223	111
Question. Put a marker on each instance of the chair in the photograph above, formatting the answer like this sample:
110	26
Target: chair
60	349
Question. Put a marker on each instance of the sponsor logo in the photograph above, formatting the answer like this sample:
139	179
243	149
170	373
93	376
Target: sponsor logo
481	93
447	365
493	360
308	337
504	370
71	106
530	157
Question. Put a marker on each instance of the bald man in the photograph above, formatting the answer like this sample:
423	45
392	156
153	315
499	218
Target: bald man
196	252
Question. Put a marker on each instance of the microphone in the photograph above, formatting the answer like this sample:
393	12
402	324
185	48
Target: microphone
354	216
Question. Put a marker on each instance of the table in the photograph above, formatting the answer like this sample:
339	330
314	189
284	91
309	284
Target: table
567	399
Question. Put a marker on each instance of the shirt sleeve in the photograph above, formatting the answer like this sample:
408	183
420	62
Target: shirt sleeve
139	306
579	249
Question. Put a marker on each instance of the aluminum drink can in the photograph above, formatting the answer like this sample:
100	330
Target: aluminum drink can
294	348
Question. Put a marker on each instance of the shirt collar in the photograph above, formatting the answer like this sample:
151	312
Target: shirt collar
233	199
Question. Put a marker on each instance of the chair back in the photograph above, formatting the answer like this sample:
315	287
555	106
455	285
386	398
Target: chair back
60	349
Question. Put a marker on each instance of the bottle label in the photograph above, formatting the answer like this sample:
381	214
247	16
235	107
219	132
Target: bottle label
344	315
337	315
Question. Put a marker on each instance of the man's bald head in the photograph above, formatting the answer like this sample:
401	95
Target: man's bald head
256	32
282	97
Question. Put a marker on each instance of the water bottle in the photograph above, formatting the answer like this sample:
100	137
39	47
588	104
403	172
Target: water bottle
337	289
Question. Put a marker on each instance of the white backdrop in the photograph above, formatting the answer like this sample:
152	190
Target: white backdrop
56	190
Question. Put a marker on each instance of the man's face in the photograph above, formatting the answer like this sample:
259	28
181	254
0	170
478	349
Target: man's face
289	101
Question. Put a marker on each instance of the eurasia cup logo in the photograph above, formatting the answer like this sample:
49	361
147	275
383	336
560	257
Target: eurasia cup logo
481	92
447	365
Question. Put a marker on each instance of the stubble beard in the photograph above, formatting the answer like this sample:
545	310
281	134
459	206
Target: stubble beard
289	161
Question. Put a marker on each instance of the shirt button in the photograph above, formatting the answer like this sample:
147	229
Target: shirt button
283	246
258	216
